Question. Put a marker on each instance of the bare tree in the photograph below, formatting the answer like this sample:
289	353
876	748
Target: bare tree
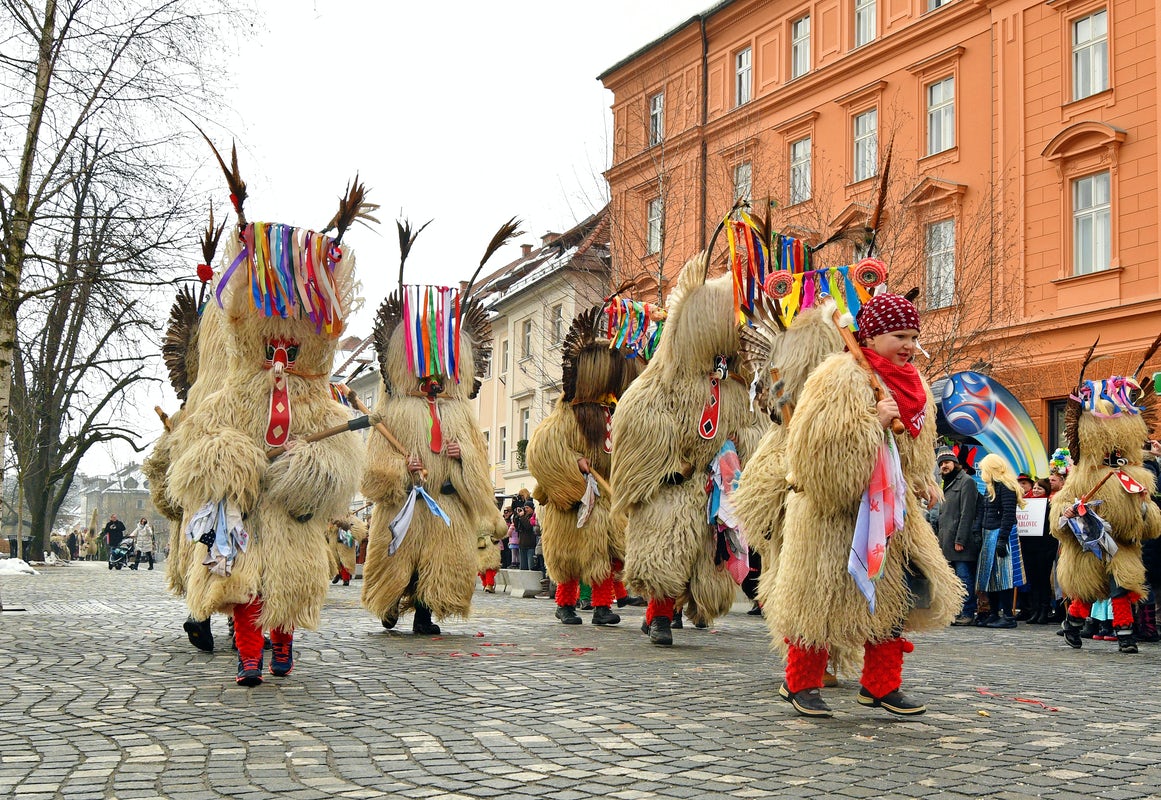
91	194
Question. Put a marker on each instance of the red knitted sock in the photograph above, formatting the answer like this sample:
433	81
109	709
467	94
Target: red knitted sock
659	607
603	593
805	667
883	666
568	593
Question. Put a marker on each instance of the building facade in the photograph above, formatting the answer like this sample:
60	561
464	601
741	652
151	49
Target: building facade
1021	191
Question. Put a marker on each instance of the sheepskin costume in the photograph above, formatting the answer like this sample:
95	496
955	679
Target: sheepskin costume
489	531
594	376
434	568
661	453
813	607
275	392
1106	422
344	538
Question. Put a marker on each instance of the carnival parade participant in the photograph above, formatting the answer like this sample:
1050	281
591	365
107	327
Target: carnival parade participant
251	458
1104	511
854	526
569	456
344	538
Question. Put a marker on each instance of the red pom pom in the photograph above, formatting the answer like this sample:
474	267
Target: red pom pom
205	272
779	284
870	272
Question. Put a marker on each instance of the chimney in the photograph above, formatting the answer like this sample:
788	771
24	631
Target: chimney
525	250
548	238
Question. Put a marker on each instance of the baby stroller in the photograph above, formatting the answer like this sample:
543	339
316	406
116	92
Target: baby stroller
119	555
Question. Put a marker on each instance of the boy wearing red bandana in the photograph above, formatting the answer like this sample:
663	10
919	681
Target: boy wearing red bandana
854	524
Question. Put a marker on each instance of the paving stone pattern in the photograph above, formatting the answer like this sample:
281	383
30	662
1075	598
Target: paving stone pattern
101	696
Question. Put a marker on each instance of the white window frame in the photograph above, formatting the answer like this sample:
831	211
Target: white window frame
1092	223
656	118
866	144
940	115
939	253
556	322
800	47
743	76
934	4
800	170
526	339
1090	55
525	417
866	22
502	445
505	352
743	180
654	221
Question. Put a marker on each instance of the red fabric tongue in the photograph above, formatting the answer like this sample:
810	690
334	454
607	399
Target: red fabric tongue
278	428
436	429
708	427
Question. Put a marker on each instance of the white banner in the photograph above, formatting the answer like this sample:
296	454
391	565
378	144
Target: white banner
1030	518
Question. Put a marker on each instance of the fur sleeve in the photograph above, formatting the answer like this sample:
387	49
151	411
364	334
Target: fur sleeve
647	444
473	480
155	468
215	460
552	460
317	478
835	433
385	478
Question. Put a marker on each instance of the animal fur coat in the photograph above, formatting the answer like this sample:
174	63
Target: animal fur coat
342	554
660	461
831	448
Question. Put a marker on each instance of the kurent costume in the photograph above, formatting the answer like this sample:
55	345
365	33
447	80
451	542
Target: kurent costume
431	491
582	539
261	515
344	538
489	532
684	425
1104	511
854	527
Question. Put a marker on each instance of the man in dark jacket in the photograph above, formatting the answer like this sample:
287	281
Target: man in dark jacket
526	535
957	533
114	531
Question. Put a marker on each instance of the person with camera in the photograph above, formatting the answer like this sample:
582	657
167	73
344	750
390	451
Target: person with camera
525	534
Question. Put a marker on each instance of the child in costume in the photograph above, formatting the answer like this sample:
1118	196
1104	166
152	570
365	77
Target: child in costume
569	456
344	538
489	533
433	485
685	422
853	522
260	493
1104	511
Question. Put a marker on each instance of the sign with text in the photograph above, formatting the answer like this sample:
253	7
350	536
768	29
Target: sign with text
1030	518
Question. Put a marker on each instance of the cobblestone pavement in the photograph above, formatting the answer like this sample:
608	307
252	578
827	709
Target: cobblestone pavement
102	697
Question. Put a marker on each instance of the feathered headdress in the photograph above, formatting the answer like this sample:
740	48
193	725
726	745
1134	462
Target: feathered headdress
1113	397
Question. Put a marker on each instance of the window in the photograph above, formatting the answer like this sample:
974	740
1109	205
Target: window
939	249
743	180
556	323
934	4
526	339
800	171
525	419
1091	224
866	145
504	357
487	368
941	116
653	226
488	443
800	47
865	22
656	118
502	455
1090	55
742	77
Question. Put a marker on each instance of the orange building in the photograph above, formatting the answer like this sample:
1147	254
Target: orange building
1022	192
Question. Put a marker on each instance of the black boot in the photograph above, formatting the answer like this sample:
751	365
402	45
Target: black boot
659	632
568	615
677	623
337	578
422	625
1126	642
199	633
603	615
1072	626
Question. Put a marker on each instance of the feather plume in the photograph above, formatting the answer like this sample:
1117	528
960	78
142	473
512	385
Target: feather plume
474	323
842	233
502	236
179	348
407	237
881	200
210	239
581	333
353	207
1084	365
740	203
234	180
388	317
912	294
1148	354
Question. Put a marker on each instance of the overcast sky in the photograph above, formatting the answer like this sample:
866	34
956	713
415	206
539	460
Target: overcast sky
462	112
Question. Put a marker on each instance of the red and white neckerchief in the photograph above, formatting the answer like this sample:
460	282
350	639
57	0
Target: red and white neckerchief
431	388
280	357
708	426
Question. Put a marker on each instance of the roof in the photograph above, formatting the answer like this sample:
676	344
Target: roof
704	15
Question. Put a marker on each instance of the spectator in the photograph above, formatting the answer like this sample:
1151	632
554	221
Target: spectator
994	568
525	536
74	545
956	528
113	532
505	552
143	536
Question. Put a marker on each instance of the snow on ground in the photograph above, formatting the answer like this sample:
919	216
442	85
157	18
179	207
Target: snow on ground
16	566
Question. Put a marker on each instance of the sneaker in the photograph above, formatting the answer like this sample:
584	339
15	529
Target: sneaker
783	692
1003	622
895	702
829	680
660	632
963	620
603	615
809	703
282	659
568	615
985	620
249	671
490	589
199	633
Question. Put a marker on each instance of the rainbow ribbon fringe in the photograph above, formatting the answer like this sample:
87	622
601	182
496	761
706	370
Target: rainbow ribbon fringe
291	273
634	326
431	317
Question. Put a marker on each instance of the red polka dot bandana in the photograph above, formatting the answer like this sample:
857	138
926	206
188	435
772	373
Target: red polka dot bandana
886	313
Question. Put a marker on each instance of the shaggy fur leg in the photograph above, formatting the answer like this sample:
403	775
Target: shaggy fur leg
883	666
568	593
1122	612
659	607
1079	608
603	593
804	668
